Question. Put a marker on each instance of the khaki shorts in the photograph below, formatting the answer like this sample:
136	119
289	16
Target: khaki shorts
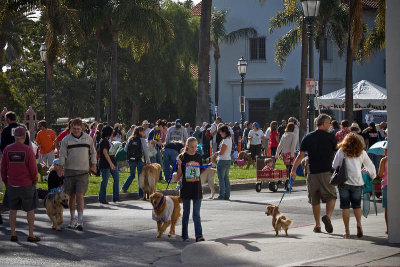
21	197
76	182
319	188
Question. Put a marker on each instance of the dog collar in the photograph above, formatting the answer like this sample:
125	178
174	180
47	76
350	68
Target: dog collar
159	204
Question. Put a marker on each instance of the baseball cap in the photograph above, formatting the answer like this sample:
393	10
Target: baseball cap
145	122
178	123
255	124
20	131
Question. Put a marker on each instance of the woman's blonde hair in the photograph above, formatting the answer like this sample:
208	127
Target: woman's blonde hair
351	146
189	141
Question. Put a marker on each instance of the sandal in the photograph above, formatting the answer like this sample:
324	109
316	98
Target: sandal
328	224
359	232
33	239
317	229
14	238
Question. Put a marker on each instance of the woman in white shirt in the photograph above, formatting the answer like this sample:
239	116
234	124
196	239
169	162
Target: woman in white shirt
256	137
224	163
287	146
352	151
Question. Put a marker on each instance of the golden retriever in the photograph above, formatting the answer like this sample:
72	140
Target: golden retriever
279	221
304	165
166	211
206	176
54	203
148	179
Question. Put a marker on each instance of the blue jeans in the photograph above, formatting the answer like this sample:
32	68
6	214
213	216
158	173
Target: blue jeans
196	217
132	169
105	173
157	159
170	156
350	194
223	178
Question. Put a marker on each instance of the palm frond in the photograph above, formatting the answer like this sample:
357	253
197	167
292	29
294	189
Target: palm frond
376	37
233	36
291	14
285	45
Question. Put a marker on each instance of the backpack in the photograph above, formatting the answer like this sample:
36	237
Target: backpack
134	150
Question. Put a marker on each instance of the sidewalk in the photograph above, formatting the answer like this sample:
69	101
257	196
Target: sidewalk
302	247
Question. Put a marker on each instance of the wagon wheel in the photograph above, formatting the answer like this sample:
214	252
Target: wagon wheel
273	186
258	187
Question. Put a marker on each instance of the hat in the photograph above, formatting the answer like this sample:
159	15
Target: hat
255	124
56	161
20	131
205	124
145	122
178	123
355	127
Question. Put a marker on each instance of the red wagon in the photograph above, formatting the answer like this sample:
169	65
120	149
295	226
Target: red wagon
274	178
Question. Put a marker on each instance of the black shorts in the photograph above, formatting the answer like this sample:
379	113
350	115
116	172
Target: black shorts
21	197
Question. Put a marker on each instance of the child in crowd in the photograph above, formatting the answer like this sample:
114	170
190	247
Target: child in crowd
269	164
189	164
382	172
55	182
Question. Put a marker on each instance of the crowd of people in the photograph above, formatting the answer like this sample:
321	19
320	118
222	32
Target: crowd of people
103	149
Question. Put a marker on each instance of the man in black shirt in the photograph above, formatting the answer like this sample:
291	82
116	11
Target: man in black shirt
7	136
320	146
281	129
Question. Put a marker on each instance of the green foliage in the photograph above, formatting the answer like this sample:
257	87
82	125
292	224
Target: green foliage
286	104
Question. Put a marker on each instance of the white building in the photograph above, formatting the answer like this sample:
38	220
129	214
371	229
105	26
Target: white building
264	79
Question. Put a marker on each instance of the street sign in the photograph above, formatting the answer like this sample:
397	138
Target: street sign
311	86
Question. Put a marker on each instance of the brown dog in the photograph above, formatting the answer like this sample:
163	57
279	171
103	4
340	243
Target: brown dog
246	156
206	177
279	221
42	170
54	203
304	165
148	179
166	211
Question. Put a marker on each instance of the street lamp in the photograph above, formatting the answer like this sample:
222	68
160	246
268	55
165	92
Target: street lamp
242	66
43	51
310	10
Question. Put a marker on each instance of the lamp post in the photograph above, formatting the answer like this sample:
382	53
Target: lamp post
310	10
43	51
242	66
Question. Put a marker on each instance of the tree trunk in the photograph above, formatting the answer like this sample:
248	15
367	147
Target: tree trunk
99	79
135	112
303	96
2	45
349	73
321	63
114	79
202	105
216	60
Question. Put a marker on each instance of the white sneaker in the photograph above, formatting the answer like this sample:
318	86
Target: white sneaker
73	223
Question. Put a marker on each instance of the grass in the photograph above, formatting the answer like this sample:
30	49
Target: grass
94	181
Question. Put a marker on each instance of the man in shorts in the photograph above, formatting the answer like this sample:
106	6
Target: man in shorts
19	174
77	153
320	146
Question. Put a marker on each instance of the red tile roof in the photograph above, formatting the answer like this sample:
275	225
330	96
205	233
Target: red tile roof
196	10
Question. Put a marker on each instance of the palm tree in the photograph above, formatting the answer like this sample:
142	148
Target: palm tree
219	35
202	105
12	26
355	33
376	37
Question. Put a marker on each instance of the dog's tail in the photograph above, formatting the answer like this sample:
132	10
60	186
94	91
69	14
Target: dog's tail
286	222
180	200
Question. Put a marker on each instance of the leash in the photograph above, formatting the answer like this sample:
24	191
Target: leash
170	176
159	203
288	188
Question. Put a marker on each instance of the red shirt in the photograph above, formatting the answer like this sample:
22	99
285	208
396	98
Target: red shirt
342	134
272	138
61	136
18	165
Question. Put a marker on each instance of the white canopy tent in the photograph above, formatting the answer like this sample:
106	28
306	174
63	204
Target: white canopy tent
366	95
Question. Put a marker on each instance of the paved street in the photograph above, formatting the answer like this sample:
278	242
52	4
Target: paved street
124	233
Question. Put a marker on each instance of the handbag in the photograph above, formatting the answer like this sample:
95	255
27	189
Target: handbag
339	176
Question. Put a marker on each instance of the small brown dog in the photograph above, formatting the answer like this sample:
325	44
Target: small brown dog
246	156
42	170
279	221
54	203
148	179
166	211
